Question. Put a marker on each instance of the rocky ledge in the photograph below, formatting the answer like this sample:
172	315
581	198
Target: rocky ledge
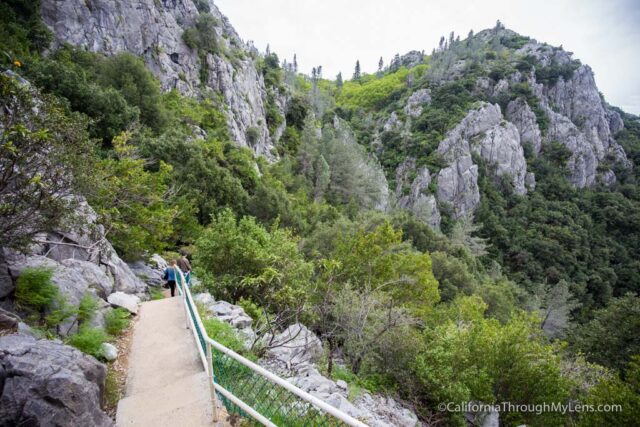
46	383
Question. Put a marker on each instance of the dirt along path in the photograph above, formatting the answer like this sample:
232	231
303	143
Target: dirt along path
166	383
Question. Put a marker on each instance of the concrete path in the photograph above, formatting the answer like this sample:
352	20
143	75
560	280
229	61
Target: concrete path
166	384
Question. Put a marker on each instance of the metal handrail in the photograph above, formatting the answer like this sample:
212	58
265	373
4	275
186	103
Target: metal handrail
207	356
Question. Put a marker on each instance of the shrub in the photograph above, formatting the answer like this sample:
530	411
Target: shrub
86	309
89	340
116	321
156	294
224	334
34	291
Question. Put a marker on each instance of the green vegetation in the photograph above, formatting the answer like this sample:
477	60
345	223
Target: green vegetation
34	290
89	340
224	334
156	294
460	314
116	321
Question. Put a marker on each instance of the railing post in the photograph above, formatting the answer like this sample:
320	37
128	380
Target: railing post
212	390
184	298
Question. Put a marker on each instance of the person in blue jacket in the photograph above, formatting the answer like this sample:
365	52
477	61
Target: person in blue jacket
170	276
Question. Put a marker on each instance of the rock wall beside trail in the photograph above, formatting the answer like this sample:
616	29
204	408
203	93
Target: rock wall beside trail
153	30
45	382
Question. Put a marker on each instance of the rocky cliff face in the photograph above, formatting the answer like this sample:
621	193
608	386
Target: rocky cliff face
153	30
484	132
577	115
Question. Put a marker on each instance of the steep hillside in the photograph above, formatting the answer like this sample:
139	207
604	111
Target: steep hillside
188	45
462	226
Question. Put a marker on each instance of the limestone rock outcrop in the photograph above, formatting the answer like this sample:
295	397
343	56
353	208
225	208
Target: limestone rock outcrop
415	195
46	383
484	132
520	114
153	30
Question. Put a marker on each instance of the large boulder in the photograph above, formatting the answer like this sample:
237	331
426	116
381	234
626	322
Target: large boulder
46	383
70	281
126	301
95	277
145	272
294	346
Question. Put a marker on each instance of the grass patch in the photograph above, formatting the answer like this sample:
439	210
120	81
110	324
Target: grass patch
112	392
156	294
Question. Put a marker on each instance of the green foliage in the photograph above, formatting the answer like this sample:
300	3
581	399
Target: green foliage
550	74
35	292
210	174
22	31
86	310
156	294
70	73
116	321
368	92
89	341
223	333
128	74
614	391
132	201
37	190
468	358
240	258
610	338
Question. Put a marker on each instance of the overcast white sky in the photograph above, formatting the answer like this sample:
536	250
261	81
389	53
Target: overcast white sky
334	33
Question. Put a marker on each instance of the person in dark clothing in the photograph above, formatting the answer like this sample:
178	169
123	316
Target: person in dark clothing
170	276
185	266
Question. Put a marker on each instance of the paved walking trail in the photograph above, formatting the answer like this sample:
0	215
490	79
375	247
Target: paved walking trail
166	384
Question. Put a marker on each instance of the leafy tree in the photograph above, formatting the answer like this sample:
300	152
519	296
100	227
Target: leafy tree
128	74
610	339
356	72
65	75
42	162
132	203
242	259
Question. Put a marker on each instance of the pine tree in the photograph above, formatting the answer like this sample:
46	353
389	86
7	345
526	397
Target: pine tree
268	50
339	81
356	72
319	75
380	65
441	44
295	63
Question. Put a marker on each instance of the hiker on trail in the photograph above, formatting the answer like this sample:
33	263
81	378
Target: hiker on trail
170	274
185	266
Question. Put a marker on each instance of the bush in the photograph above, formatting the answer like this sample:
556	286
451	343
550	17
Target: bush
224	334
35	292
86	309
116	321
156	294
89	341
